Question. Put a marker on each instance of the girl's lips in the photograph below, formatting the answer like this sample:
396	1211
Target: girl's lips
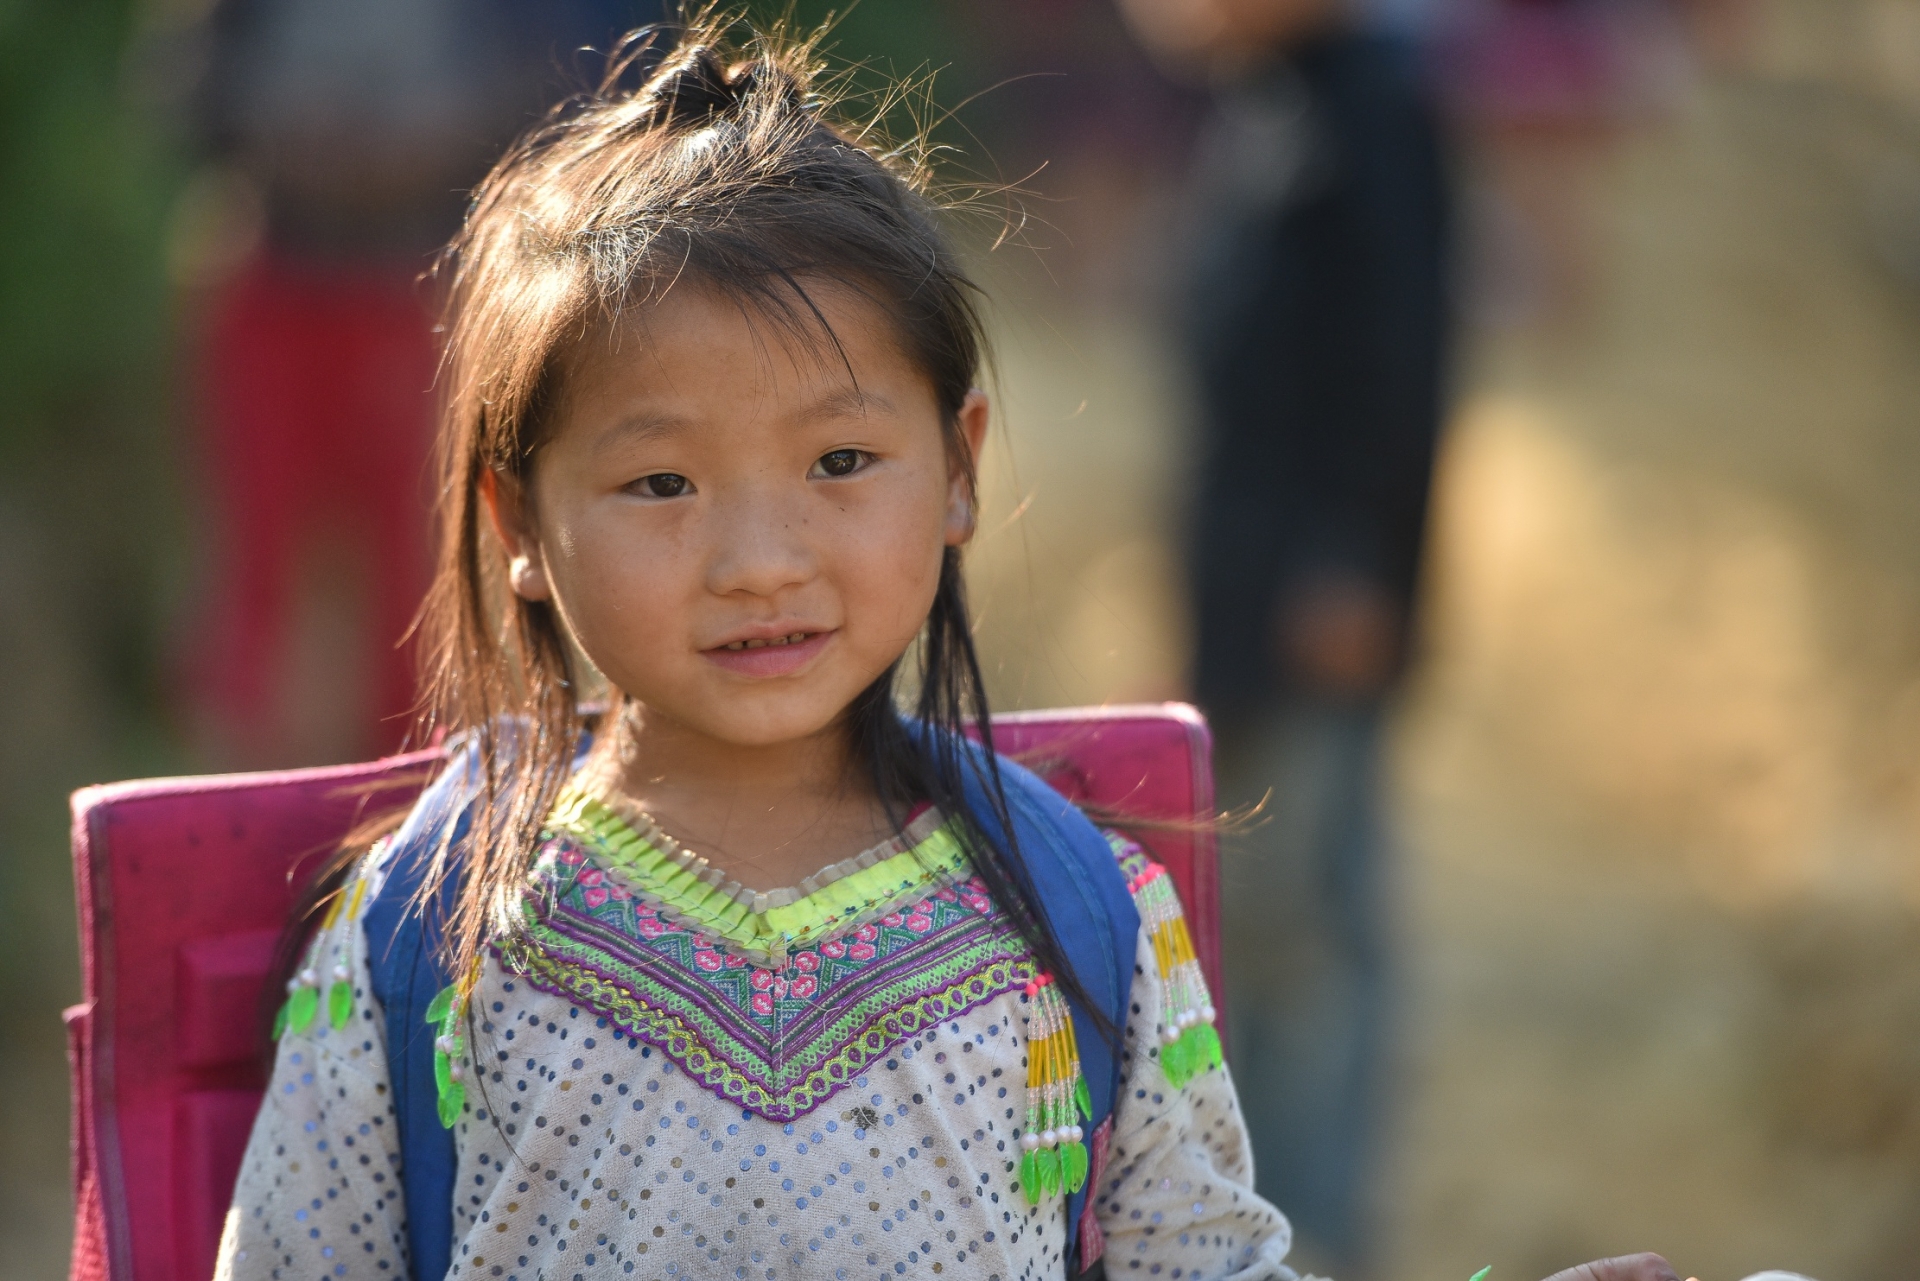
772	658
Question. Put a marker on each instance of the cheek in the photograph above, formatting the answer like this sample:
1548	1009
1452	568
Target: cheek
614	584
893	564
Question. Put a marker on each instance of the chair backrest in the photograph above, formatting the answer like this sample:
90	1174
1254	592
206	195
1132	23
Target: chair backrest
183	887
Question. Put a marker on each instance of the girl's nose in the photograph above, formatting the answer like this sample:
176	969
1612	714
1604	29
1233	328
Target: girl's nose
759	547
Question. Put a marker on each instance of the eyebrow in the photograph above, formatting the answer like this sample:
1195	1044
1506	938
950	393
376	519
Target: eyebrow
846	402
641	428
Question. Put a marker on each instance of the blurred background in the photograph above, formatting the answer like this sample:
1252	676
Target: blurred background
1649	881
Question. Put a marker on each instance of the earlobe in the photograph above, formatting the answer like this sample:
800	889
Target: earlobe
528	579
960	519
962	498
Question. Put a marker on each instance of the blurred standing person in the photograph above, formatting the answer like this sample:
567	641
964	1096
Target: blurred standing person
358	126
1317	323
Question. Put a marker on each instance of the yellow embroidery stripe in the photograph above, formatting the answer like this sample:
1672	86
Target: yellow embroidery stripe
937	856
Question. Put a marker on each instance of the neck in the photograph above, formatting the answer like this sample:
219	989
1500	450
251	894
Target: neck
768	815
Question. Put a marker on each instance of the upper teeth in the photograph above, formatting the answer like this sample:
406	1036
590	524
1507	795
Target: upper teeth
762	644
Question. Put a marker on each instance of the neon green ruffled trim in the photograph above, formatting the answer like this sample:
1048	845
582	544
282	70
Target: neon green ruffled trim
701	896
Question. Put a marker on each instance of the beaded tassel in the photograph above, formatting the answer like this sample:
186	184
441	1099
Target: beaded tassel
447	1015
1190	1045
1054	1157
303	989
449	1049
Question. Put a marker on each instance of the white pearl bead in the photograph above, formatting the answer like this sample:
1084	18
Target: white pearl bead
1208	1014
1075	1134
1029	1140
341	973
309	978
444	1044
455	1072
293	984
1170	1034
1049	1138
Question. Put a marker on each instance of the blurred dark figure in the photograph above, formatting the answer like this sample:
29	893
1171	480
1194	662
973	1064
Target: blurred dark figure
358	125
1318	320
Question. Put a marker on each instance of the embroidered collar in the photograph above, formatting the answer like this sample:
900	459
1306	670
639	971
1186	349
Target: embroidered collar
763	927
780	1036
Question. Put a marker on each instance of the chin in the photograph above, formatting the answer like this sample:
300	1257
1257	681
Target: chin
757	714
764	724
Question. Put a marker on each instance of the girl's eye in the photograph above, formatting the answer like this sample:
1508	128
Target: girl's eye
664	484
841	462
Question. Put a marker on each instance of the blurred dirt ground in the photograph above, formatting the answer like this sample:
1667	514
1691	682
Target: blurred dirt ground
1659	776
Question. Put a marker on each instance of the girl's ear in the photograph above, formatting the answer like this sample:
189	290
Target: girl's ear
506	506
961	498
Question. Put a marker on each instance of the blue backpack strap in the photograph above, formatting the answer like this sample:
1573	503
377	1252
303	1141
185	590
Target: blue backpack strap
403	947
1083	894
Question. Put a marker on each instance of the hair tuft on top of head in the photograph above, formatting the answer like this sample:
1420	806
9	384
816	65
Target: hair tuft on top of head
705	73
696	84
692	86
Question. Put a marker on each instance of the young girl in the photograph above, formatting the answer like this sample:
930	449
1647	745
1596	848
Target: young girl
748	974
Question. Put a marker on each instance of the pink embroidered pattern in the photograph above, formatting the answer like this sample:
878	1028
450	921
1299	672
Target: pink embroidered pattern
777	1041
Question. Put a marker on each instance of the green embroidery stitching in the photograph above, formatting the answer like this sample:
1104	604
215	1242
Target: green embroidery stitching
699	900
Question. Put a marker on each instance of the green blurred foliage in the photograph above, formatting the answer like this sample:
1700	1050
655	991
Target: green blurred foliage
89	536
84	182
86	178
928	46
905	33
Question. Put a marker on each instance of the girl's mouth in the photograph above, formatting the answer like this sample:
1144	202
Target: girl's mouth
769	656
794	639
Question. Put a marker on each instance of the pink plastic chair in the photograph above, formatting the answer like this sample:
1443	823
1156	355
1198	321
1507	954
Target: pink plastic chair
183	885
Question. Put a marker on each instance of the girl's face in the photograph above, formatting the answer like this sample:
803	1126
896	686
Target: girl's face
742	530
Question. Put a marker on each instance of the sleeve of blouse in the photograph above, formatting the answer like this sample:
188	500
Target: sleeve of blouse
319	1190
1176	1197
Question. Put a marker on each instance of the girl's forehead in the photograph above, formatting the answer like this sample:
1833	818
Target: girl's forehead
696	340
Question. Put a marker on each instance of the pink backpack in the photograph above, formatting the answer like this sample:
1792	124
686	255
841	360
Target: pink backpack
184	885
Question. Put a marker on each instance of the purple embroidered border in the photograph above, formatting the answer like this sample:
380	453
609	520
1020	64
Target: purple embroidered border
782	1077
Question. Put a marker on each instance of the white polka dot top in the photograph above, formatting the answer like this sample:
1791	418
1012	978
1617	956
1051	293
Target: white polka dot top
665	1076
